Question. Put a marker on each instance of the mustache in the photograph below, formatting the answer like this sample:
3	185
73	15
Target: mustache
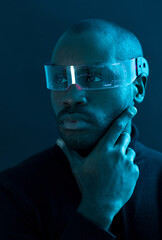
70	110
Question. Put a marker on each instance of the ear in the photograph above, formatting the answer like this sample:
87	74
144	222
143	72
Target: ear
140	87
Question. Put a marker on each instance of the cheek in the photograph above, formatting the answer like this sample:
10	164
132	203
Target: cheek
113	102
123	96
56	100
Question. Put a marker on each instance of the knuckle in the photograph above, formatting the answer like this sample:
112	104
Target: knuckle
134	155
136	170
133	168
129	163
122	152
124	133
131	152
119	124
128	135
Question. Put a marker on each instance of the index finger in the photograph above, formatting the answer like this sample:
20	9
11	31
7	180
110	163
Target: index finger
118	126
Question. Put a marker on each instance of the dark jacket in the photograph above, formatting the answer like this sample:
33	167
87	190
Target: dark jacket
39	198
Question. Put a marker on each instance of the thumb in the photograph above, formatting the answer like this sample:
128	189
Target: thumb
74	158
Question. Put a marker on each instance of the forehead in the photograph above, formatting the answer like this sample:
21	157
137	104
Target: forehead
85	48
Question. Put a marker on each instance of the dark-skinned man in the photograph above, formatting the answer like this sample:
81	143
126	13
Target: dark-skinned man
98	181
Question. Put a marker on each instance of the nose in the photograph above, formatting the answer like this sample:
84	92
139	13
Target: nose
74	95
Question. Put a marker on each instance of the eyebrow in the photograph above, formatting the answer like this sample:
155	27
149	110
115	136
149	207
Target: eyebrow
90	65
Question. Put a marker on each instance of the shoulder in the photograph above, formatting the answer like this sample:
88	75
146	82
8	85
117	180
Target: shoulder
37	169
36	180
149	153
149	162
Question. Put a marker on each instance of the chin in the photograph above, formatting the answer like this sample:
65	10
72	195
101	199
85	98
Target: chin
82	144
79	144
85	141
83	151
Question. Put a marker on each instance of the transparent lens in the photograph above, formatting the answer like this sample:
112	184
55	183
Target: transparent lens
97	76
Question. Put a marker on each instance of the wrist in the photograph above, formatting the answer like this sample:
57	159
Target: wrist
96	215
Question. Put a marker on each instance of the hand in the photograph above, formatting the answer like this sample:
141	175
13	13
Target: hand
108	175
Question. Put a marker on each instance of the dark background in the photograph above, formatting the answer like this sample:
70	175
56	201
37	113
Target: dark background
29	31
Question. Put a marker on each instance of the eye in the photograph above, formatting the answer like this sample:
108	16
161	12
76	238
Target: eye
61	79
93	78
89	78
98	78
64	80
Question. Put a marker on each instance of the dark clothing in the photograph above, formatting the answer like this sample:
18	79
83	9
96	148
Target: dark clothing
40	196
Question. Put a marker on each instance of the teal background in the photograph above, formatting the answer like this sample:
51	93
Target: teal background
29	32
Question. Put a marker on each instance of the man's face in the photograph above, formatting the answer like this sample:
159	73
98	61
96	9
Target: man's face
98	107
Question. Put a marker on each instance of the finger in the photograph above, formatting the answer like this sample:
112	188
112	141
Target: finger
117	127
123	141
74	158
131	154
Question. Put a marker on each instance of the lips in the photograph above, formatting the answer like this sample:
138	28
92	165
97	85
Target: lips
74	121
73	117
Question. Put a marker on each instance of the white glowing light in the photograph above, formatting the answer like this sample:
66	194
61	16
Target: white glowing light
72	74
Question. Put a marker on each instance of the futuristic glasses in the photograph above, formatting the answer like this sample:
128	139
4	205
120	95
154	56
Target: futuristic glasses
95	76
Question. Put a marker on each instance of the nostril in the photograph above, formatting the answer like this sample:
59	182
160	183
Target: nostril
79	102
74	99
66	104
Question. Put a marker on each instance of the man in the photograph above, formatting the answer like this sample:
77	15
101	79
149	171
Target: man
98	181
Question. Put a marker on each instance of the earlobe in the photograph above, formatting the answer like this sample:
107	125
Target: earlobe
140	87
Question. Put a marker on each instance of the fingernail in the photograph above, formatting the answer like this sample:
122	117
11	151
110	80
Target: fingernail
133	110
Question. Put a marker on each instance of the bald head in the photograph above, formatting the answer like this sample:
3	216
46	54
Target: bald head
95	40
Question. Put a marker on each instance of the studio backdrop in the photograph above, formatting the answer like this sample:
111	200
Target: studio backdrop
29	32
